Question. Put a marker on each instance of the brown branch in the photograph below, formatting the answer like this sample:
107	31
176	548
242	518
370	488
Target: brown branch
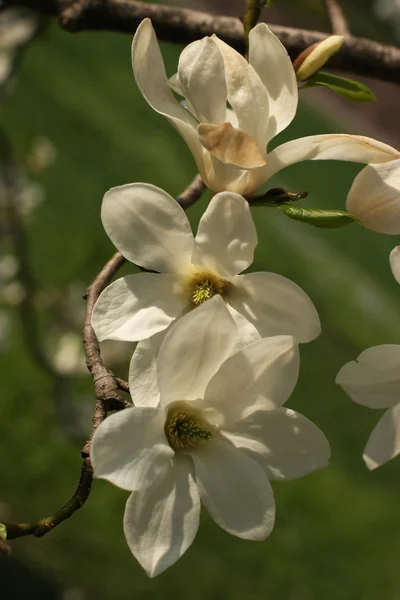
192	193
106	387
181	25
336	17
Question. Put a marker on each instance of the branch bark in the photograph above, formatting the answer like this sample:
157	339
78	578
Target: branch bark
359	56
336	17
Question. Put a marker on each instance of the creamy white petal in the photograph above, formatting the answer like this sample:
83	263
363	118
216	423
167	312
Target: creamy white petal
374	197
284	442
193	350
136	307
149	72
275	305
332	146
395	263
235	490
201	76
221	177
246	94
259	377
161	522
143	384
374	379
130	449
384	441
272	63
226	236
247	333
148	227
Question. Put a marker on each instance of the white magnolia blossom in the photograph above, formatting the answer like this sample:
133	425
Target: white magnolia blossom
151	230
234	108
214	430
375	197
374	381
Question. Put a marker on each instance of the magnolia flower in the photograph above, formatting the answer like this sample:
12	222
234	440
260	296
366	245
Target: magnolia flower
150	229
214	430
374	381
375	197
234	108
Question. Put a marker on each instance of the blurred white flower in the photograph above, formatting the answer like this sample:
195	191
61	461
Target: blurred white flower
234	108
151	230
374	381
214	431
69	357
17	26
374	197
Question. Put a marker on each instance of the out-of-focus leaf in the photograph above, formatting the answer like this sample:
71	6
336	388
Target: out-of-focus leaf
350	89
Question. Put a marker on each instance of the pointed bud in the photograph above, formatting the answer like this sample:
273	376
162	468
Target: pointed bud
315	56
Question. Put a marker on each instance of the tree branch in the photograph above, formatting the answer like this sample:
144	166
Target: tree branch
336	17
359	56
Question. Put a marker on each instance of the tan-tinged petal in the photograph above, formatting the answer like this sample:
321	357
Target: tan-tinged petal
201	77
373	380
234	489
148	227
136	307
384	441
161	522
246	94
151	78
231	146
129	448
374	197
335	146
226	236
259	377
395	263
270	59
222	177
193	350
282	441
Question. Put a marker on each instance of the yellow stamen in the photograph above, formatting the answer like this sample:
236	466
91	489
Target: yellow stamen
203	285
185	428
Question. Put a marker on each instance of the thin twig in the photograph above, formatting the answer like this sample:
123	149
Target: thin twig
106	387
337	18
359	56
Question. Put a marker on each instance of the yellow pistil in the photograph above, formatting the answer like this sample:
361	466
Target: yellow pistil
185	428
203	285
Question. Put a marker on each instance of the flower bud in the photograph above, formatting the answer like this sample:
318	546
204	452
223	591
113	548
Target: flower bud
314	57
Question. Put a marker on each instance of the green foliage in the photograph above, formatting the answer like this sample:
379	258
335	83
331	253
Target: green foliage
3	531
318	217
349	88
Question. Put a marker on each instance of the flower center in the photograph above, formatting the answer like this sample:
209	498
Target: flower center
203	285
185	428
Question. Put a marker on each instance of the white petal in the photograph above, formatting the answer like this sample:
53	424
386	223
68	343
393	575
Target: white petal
135	307
193	350
275	305
226	236
235	490
374	197
374	379
201	77
130	449
271	61
222	177
149	71
335	146
384	441
247	333
259	377
143	384
161	522
148	227
286	444
246	94
395	263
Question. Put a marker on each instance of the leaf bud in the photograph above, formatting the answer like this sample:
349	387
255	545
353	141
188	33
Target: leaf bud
314	57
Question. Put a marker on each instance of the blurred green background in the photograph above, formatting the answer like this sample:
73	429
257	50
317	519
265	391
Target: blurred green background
337	532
